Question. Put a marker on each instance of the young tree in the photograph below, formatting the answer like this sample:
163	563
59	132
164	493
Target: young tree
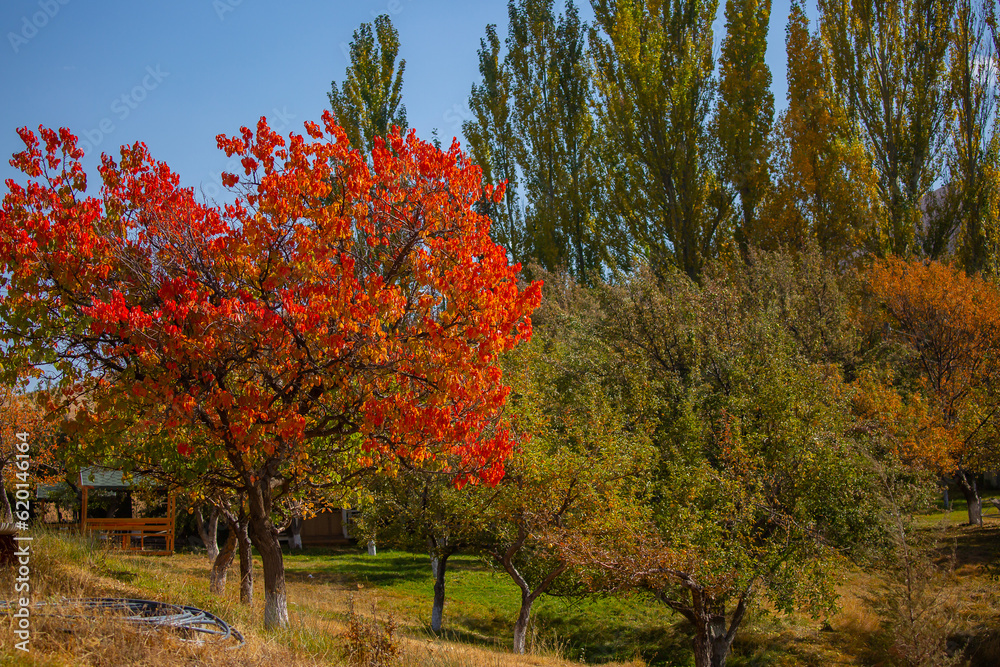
888	62
951	324
423	511
370	101
334	312
580	471
653	74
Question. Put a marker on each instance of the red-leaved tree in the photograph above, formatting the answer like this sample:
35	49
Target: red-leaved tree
335	313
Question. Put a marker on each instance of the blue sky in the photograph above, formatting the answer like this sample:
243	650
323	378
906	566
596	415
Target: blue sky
175	74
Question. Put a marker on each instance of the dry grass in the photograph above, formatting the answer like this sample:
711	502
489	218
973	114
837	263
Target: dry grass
66	566
319	600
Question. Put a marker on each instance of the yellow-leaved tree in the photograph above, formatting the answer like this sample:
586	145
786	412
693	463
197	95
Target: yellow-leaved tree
950	322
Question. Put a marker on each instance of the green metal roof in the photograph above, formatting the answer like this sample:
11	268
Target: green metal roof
103	478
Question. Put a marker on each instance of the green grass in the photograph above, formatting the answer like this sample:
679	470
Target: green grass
959	513
481	604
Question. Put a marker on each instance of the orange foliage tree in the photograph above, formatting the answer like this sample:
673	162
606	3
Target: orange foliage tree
27	450
950	322
336	310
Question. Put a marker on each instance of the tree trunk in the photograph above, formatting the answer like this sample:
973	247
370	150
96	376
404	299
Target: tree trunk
711	645
6	515
521	625
966	482
264	536
221	563
209	532
296	531
438	565
246	560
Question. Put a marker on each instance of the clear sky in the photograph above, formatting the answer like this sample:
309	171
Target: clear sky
175	74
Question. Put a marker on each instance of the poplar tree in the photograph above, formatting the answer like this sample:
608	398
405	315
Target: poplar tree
532	126
370	101
494	146
745	114
653	74
973	189
889	61
824	182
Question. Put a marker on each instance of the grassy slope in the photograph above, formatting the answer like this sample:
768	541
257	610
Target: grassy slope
478	613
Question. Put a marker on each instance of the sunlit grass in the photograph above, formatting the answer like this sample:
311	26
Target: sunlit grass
479	612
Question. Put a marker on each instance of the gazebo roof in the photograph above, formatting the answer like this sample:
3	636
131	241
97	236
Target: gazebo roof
103	478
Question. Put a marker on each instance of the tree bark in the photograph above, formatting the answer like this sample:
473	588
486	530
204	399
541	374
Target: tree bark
246	560
264	536
521	624
528	596
438	565
221	563
966	482
713	637
209	532
6	514
711	642
296	532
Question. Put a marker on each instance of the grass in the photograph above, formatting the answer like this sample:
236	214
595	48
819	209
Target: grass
479	612
959	513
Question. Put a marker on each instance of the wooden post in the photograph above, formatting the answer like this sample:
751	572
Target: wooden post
83	512
171	512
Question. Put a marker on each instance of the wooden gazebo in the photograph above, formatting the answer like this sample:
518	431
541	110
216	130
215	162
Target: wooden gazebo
139	535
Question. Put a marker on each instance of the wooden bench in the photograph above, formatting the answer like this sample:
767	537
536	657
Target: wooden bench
133	534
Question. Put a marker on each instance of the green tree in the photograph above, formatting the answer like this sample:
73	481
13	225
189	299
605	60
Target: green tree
889	61
422	510
745	114
758	488
370	101
581	468
653	73
533	119
973	188
493	146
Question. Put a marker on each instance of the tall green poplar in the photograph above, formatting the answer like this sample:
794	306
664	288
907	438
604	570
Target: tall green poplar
745	114
494	146
974	159
653	73
889	63
370	100
533	127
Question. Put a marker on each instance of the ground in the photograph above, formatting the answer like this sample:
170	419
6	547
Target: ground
480	609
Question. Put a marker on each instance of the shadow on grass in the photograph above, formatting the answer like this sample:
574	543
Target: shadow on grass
385	570
974	546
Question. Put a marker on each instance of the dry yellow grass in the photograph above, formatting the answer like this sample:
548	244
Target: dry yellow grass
70	568
318	607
